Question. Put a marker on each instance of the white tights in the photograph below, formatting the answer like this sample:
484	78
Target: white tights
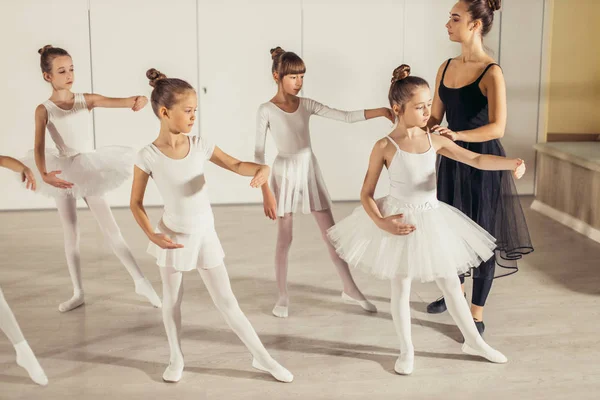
25	356
99	207
219	288
324	219
458	309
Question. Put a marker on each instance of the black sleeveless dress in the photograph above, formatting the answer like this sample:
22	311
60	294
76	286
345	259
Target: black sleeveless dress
488	197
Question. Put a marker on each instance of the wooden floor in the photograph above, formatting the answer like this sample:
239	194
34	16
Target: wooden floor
545	319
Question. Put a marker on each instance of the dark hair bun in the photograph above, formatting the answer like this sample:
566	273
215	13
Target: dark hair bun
402	72
494	5
44	49
276	52
154	76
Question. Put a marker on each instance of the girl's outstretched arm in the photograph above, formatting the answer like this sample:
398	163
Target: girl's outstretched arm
380	112
348	116
136	103
258	171
448	148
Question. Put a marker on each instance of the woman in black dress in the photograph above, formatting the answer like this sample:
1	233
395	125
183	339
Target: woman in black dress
471	92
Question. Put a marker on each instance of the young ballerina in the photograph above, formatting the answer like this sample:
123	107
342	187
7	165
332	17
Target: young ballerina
8	322
470	91
185	237
410	234
296	178
84	172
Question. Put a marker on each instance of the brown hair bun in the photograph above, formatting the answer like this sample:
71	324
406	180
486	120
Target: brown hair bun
154	76
402	72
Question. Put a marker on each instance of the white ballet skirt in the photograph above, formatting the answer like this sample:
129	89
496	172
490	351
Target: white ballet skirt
92	172
297	183
296	179
201	249
445	243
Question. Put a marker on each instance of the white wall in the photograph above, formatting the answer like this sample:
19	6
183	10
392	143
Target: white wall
349	68
128	38
221	47
234	39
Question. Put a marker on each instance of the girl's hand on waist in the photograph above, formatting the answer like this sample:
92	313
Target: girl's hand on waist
163	241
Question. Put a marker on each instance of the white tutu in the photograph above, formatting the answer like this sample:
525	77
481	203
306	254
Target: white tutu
201	250
92	173
445	242
298	185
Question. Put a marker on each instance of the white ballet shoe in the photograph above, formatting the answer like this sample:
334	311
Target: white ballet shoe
278	372
76	301
490	354
405	364
172	374
365	304
27	360
280	311
143	287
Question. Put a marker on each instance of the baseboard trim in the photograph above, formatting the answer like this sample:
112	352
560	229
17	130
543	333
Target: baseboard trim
567	220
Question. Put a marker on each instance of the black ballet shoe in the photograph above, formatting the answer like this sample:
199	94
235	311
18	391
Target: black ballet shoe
438	306
480	326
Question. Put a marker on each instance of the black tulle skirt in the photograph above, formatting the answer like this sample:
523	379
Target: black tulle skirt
489	198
